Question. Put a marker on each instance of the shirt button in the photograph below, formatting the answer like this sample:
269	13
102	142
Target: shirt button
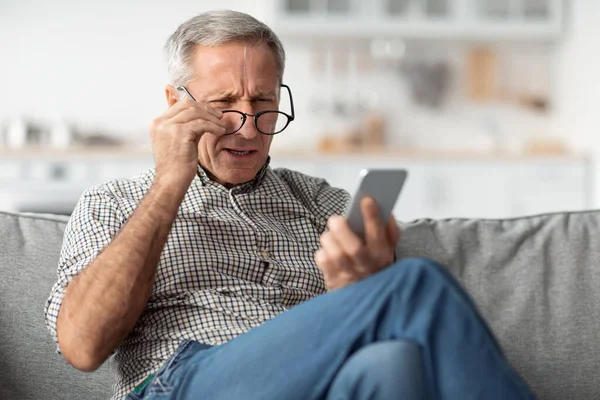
265	254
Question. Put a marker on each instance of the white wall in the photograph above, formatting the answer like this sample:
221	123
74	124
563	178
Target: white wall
578	86
98	62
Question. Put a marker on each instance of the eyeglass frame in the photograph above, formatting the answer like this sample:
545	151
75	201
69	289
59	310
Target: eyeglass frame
245	116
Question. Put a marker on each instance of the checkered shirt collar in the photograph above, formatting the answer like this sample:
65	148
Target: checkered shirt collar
247	187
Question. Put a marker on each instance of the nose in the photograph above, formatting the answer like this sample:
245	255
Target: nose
249	130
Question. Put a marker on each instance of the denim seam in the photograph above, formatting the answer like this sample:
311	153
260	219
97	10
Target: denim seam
157	386
132	396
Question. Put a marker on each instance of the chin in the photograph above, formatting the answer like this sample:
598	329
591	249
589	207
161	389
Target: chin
238	177
236	172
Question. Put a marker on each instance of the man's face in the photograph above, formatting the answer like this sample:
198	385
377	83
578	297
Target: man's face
234	76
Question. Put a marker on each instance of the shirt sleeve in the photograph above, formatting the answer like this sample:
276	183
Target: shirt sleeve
331	201
95	221
334	201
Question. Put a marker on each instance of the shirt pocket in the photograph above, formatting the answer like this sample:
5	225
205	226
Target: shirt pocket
304	232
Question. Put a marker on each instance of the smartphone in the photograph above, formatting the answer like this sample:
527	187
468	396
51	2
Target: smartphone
384	185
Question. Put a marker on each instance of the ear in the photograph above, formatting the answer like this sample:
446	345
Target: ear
172	95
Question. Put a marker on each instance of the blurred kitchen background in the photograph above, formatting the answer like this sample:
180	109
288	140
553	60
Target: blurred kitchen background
488	103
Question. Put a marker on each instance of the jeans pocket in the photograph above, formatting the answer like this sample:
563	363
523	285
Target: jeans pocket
159	386
167	375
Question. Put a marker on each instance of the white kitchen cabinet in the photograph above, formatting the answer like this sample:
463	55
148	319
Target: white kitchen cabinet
437	187
537	19
53	183
10	169
476	188
105	171
419	19
56	170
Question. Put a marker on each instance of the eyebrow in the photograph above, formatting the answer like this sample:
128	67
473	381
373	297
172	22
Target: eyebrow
229	94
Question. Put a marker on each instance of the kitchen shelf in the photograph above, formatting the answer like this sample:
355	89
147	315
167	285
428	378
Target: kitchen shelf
100	153
470	20
441	184
417	30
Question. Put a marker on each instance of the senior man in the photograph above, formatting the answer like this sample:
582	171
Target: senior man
213	276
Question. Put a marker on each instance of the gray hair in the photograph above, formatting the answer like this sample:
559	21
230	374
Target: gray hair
214	28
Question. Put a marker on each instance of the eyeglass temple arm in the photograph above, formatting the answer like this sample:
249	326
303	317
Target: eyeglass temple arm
183	88
291	99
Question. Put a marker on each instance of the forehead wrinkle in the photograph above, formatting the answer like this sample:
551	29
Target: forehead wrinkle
255	91
242	84
244	67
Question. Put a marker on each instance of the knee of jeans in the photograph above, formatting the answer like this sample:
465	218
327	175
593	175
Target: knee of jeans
423	267
381	370
381	358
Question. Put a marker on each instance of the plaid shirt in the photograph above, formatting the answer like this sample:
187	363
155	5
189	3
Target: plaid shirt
234	258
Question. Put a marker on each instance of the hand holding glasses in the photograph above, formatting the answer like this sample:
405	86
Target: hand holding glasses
268	122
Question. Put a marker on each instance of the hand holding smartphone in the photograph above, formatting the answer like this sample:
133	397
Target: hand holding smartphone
383	185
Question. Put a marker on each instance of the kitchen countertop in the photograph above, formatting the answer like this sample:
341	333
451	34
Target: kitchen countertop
144	153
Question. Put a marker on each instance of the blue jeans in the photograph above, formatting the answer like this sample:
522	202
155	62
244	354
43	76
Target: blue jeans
407	332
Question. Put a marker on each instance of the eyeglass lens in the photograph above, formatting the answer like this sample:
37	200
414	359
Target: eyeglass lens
269	123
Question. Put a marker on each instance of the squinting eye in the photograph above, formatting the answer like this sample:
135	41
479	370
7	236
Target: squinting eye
222	102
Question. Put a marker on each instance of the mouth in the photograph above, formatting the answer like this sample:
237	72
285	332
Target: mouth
240	152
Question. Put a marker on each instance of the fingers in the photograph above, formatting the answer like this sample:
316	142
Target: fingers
322	260
211	110
188	117
187	110
335	255
380	237
338	268
393	231
177	108
175	136
349	242
375	230
190	131
194	112
345	258
199	127
186	102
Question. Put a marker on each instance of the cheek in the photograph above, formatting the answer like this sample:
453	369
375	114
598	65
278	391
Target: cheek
267	141
208	142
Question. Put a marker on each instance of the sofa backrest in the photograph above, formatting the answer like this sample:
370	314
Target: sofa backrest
535	279
537	282
30	368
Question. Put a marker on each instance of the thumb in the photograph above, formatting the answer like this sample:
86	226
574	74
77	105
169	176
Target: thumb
393	231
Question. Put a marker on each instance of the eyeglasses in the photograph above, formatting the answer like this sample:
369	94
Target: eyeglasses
268	122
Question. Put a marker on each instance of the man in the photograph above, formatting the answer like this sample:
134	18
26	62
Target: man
192	274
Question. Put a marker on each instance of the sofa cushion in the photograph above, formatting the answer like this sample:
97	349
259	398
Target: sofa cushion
535	279
30	367
537	282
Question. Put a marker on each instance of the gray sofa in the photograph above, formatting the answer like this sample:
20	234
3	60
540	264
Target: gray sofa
536	280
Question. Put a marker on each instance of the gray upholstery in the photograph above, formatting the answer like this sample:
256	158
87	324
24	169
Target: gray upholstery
536	280
29	367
